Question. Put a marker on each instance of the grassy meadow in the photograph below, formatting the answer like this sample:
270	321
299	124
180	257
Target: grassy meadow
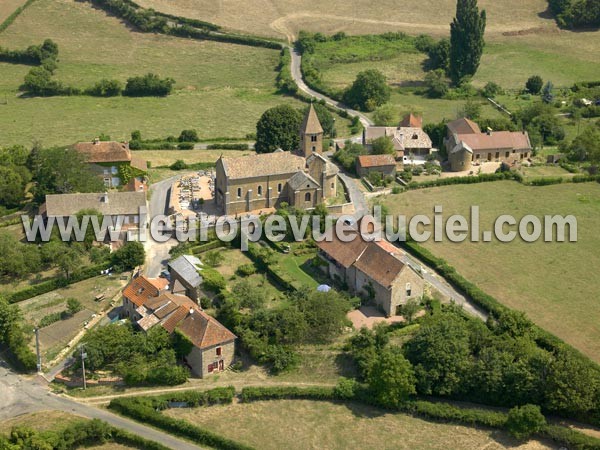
316	424
554	283
167	157
221	89
7	7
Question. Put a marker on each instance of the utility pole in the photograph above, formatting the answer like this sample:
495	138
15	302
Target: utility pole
83	356
37	350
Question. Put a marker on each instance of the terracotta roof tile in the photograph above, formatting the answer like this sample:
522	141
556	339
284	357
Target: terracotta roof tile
345	253
516	140
366	161
411	120
104	151
463	126
140	290
379	265
260	165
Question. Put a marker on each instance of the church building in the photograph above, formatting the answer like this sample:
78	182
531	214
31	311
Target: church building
302	179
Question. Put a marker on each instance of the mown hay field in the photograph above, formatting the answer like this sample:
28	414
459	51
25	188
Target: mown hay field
556	284
305	424
221	89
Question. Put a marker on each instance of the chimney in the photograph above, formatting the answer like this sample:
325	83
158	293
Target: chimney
104	198
489	131
191	311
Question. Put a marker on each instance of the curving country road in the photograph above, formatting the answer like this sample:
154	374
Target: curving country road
21	395
297	76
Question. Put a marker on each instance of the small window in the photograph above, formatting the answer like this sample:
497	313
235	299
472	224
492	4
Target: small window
314	149
313	138
307	197
279	186
219	351
408	289
514	151
415	136
507	154
260	190
497	155
239	192
332	185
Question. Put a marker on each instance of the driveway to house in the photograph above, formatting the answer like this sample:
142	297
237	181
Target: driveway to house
157	253
297	76
21	395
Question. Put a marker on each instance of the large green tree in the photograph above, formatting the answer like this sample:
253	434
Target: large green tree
61	171
369	90
278	127
391	379
466	40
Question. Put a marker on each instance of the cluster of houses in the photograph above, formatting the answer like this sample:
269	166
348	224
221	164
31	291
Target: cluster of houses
158	302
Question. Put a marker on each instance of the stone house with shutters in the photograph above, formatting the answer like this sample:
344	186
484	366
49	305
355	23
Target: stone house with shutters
372	269
148	303
111	161
302	179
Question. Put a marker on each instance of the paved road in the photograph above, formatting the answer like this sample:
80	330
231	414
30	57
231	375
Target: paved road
157	253
21	395
297	76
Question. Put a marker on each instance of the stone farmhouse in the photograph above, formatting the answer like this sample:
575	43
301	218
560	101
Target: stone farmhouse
384	164
112	161
148	303
411	143
373	270
185	276
262	181
466	144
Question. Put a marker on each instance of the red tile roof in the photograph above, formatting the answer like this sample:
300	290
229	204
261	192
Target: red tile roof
366	161
104	151
345	253
379	265
141	289
463	126
516	140
412	121
203	330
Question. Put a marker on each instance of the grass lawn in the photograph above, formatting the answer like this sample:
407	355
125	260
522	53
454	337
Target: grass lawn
54	337
168	157
221	89
554	283
531	173
313	424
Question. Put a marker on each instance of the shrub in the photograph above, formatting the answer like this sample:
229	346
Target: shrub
178	165
105	88
188	136
534	84
492	89
246	270
185	146
149	85
523	421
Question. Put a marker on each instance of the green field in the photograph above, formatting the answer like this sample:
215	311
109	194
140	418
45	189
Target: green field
324	425
554	283
221	89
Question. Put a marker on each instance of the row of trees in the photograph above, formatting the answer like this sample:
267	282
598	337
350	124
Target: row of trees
34	54
498	363
39	82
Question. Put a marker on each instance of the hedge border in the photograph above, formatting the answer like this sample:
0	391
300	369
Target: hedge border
56	283
16	13
143	409
438	411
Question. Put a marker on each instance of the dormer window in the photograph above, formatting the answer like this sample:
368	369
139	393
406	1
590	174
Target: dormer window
415	136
